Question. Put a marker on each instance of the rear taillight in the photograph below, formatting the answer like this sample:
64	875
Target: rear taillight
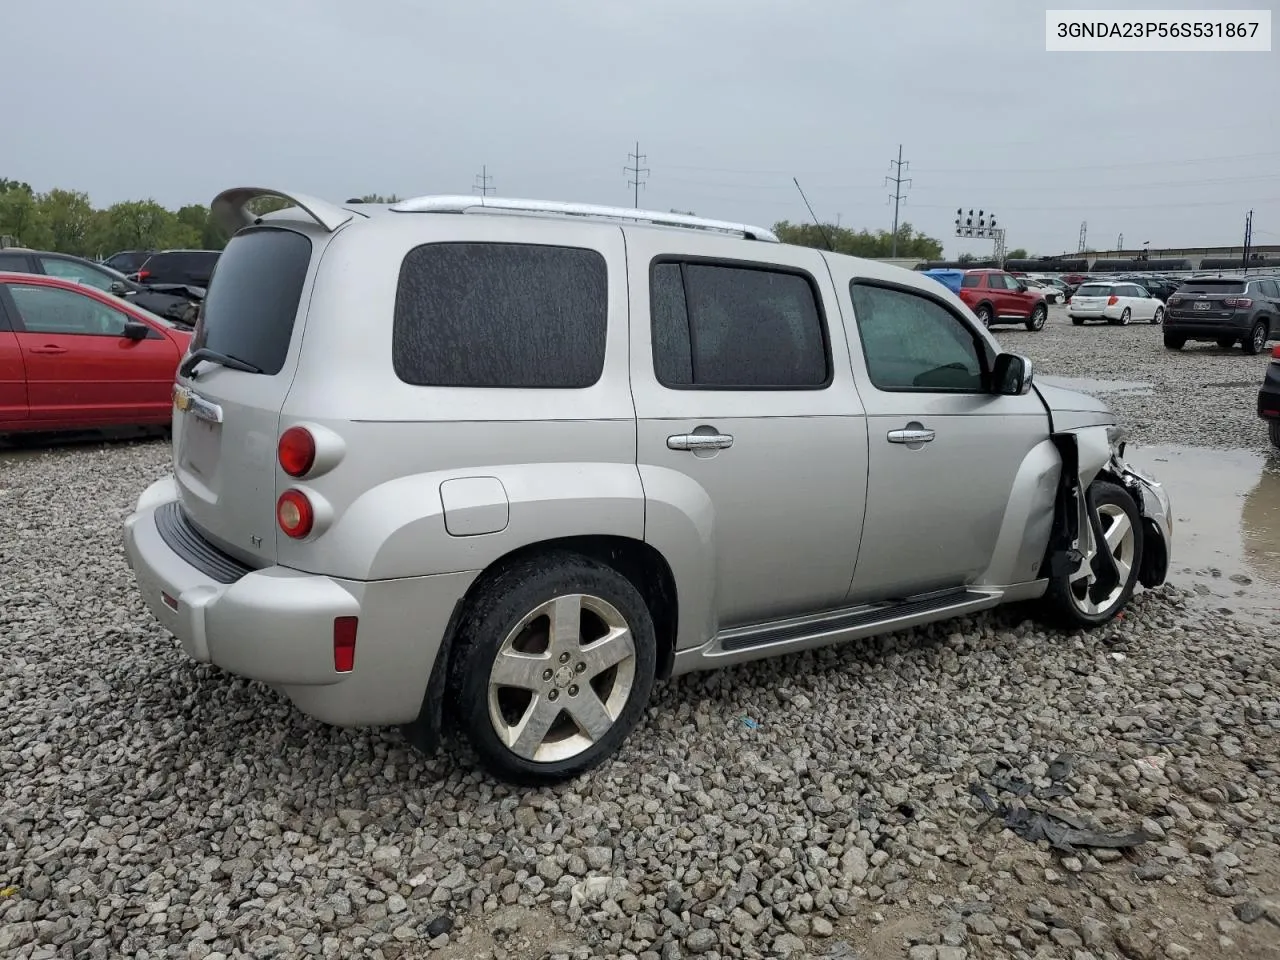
1112	300
1275	354
296	451
1174	301
295	514
1240	303
344	643
142	275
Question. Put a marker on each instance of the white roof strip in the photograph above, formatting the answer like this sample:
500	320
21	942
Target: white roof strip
472	204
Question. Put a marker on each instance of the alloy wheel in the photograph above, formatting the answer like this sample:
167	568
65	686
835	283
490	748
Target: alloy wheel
562	678
1120	540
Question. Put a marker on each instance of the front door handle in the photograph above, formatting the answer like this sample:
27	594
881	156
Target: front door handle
49	348
911	436
700	441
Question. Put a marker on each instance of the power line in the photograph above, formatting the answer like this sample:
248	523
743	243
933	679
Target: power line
637	173
897	196
482	182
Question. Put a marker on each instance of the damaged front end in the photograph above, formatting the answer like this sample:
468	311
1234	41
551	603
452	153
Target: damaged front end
1076	526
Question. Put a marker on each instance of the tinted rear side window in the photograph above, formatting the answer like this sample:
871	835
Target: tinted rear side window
250	308
971	280
500	315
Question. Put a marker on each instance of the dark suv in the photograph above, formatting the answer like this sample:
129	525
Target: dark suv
192	267
1227	310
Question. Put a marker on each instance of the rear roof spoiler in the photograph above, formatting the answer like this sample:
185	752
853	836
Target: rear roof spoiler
230	208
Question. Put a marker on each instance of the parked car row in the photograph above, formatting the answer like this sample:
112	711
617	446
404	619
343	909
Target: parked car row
185	267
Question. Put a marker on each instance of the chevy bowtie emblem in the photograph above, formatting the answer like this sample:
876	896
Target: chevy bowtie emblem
185	399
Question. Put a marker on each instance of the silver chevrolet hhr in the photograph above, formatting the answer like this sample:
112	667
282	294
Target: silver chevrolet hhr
495	466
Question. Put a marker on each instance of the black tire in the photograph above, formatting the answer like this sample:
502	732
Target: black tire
1256	341
496	609
1273	431
1173	341
1060	606
984	314
1226	343
1158	317
1039	314
1125	316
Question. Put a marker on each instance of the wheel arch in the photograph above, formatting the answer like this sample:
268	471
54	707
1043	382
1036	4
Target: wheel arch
639	562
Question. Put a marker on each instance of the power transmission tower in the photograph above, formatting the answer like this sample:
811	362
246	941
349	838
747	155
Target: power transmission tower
1119	243
636	180
1248	240
1084	232
481	185
898	181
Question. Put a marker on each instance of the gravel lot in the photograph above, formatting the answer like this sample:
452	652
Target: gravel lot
818	806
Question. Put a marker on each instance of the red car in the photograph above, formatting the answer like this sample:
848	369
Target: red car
75	358
995	296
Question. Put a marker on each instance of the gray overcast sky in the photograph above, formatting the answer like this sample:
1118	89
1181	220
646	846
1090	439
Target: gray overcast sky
175	100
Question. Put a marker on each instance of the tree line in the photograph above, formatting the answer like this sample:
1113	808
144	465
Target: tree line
67	222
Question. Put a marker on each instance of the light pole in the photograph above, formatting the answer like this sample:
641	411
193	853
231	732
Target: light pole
982	227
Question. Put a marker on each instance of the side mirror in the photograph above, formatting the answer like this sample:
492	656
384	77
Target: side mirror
117	288
1022	287
135	331
1011	376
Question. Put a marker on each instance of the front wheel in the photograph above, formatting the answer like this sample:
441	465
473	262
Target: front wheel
556	664
1038	316
1158	316
1090	596
1256	342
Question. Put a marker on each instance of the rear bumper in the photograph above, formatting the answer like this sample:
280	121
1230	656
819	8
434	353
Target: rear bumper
1093	313
1269	395
1209	329
276	625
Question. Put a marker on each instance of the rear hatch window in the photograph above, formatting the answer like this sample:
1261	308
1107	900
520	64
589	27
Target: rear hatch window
1094	290
253	299
1217	288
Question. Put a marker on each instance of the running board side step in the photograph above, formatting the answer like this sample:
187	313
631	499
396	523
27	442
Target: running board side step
835	626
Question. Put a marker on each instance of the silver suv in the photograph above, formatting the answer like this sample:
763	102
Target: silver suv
495	466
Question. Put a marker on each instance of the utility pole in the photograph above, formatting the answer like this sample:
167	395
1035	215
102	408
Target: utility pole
1084	232
481	185
898	181
1119	243
1248	241
637	172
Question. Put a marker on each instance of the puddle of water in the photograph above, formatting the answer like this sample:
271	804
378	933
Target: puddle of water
1089	385
1226	510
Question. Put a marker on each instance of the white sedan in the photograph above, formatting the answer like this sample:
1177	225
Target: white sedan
1051	293
1115	302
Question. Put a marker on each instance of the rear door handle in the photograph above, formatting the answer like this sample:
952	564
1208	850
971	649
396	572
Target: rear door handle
700	441
49	348
911	436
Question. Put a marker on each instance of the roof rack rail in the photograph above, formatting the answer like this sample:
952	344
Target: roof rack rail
468	204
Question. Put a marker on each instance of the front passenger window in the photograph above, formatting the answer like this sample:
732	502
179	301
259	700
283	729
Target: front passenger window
51	310
914	343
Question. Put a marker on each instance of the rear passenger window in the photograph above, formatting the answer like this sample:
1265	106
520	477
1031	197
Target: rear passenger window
971	280
500	315
726	327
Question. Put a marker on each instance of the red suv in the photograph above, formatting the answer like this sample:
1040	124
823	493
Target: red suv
995	296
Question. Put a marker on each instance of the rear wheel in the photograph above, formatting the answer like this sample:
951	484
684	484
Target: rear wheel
1078	321
1256	342
556	664
1174	342
1125	316
1087	596
1158	316
1038	316
983	313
